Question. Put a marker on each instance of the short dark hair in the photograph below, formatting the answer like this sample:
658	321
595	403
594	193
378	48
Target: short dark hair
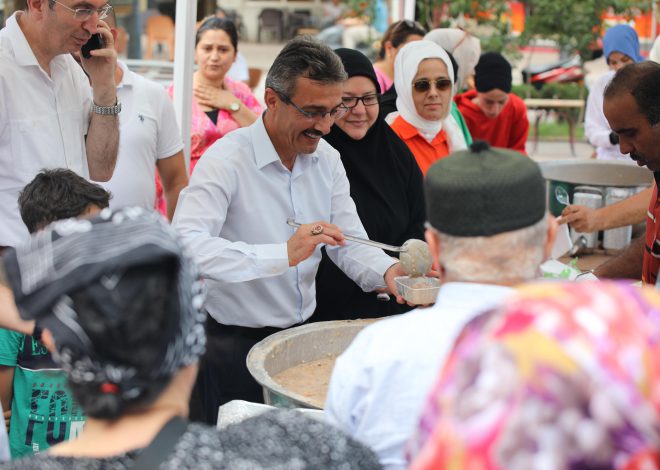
398	32
304	57
641	81
214	23
58	194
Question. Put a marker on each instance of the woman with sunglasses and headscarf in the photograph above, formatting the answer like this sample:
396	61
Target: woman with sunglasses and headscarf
386	185
424	81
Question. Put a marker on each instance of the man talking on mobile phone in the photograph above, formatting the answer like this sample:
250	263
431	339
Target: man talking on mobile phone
50	116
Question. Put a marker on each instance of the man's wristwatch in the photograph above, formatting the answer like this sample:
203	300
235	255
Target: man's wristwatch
107	110
234	107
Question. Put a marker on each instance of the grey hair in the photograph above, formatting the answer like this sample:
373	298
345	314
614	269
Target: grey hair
308	58
506	257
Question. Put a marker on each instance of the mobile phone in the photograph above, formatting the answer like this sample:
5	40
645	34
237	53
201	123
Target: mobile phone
95	42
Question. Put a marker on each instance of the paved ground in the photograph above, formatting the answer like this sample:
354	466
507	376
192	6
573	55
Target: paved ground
559	150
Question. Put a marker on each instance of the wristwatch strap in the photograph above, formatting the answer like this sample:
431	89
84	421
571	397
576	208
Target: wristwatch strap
107	110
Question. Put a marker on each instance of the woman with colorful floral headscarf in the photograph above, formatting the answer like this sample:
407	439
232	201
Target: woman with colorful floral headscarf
563	376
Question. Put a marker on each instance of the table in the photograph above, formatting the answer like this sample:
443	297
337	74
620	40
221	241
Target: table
562	107
588	262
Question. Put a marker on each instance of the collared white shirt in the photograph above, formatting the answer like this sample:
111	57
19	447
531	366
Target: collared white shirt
148	132
233	217
380	383
43	122
596	128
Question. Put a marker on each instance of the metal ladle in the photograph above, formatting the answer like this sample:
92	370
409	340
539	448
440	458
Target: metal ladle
581	242
562	195
415	255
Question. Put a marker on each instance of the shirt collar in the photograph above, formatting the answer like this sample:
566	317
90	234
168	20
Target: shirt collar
408	131
127	78
470	294
264	150
23	54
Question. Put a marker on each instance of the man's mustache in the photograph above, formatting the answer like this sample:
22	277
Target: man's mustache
314	133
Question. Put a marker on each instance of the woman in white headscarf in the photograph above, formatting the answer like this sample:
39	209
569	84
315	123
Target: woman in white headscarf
465	48
424	81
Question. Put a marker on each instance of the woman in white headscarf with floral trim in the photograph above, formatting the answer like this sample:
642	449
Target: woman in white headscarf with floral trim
424	81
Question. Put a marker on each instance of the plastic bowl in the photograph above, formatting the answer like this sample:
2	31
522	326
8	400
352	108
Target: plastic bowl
418	290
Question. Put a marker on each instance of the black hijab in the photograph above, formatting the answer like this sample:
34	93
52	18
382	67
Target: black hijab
386	185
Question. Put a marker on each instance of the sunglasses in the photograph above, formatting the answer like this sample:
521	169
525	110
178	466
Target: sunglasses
407	24
441	84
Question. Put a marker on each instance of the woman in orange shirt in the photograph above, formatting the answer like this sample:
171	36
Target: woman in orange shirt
424	81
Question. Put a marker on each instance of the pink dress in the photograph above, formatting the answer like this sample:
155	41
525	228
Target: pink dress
204	132
383	80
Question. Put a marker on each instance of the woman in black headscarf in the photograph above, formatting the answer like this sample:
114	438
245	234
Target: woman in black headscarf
386	185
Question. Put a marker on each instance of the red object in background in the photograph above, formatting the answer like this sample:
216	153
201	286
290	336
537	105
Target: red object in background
563	71
645	460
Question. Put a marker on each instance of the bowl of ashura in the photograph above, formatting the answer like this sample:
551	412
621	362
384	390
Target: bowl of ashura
294	366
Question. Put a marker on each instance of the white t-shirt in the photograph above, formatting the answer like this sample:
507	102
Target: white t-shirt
148	132
43	122
380	383
239	70
596	128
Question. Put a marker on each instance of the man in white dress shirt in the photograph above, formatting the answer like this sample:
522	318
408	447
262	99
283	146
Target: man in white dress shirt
233	215
49	115
488	230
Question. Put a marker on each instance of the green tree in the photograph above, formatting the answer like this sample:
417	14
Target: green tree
574	25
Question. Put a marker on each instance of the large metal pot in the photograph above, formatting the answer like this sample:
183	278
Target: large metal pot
295	346
599	173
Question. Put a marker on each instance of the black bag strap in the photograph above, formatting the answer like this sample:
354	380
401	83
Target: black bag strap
160	447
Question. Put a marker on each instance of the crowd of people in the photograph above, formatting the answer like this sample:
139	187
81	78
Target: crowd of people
130	297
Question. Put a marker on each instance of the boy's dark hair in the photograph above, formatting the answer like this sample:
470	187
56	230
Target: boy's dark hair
58	194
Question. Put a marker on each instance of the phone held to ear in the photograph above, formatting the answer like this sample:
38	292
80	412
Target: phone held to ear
95	42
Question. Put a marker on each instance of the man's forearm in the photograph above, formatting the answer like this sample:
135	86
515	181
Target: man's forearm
172	196
102	144
173	176
627	212
626	265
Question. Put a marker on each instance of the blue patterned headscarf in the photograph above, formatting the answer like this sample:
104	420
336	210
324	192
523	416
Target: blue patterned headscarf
93	256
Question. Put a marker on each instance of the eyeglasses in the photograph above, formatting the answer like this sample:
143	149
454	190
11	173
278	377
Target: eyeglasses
83	14
352	101
335	113
441	84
